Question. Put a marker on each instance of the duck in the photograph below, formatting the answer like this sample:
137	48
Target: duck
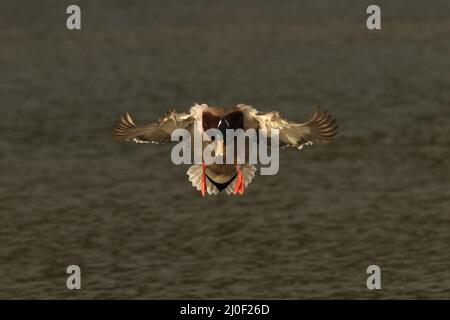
230	178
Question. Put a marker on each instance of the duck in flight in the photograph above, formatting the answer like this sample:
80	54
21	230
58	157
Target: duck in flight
230	178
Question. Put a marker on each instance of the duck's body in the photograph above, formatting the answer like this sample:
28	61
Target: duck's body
232	178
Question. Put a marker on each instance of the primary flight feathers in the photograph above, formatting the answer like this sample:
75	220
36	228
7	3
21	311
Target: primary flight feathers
320	128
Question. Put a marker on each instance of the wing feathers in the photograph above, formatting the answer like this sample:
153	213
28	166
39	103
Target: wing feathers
320	128
159	132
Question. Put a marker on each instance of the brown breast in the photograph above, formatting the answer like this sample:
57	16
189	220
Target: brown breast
212	117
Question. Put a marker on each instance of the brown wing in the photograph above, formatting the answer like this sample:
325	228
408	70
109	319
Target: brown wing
159	132
320	128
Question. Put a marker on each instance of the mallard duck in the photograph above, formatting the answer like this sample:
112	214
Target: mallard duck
231	178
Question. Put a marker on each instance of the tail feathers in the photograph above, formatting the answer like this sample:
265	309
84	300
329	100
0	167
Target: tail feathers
195	177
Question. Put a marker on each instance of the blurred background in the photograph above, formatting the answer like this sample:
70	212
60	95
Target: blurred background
70	194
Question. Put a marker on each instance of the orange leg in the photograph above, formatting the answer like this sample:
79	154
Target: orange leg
203	179
242	189
240	183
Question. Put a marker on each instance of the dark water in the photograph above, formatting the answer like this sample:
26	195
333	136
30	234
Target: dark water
130	219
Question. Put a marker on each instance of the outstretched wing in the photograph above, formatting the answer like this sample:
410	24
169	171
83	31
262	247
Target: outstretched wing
159	132
320	128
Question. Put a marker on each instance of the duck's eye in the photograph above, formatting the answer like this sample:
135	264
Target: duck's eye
213	138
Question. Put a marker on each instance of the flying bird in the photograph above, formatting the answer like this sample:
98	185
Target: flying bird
231	178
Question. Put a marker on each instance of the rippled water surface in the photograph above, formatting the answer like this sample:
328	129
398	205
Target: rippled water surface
70	194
